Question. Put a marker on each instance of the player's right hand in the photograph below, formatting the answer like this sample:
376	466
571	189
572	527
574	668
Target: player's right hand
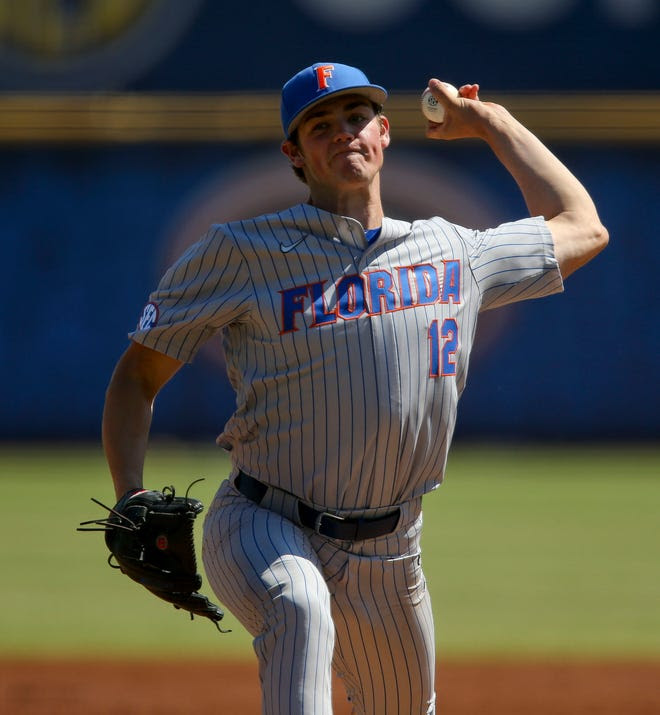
462	113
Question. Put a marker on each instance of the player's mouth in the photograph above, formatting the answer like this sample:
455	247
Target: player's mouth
350	152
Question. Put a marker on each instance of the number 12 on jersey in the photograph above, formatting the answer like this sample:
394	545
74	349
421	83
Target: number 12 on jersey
443	343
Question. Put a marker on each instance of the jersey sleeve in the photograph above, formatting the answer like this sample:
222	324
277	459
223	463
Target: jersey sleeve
207	288
515	261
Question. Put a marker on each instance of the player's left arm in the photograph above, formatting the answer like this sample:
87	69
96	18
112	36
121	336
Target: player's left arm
138	377
548	187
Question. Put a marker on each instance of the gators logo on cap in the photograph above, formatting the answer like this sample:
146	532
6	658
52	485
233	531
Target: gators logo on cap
323	74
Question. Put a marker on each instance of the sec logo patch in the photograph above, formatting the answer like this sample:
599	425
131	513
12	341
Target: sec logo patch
149	317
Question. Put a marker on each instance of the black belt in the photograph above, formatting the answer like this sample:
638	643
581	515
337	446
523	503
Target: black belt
323	522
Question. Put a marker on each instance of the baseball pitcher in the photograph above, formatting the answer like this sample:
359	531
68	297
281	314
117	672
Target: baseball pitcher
347	336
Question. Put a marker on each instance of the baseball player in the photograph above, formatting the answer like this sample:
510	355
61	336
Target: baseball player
347	336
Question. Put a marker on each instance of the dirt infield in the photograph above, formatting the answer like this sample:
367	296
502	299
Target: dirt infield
169	688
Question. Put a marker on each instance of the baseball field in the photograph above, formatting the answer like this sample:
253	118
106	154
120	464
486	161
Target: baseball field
543	563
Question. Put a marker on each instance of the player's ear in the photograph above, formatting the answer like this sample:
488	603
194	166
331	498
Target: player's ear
292	151
384	130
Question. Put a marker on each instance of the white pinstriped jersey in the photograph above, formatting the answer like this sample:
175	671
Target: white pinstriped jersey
348	359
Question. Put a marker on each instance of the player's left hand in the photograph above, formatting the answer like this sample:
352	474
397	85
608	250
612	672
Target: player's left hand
150	536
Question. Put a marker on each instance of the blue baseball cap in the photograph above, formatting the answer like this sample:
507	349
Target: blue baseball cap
320	81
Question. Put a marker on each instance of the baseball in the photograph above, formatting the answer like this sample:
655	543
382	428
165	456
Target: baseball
431	108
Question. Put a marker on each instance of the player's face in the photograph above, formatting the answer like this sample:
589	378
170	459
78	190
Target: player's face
340	143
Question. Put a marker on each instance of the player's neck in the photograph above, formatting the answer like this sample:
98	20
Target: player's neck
363	205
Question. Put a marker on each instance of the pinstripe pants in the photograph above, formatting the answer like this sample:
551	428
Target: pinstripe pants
313	604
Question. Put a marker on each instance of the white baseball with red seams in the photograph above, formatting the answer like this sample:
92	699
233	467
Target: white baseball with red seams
431	108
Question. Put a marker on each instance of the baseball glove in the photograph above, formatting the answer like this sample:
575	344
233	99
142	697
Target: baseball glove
150	537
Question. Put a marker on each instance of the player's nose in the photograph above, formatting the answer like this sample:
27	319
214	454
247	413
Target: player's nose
343	130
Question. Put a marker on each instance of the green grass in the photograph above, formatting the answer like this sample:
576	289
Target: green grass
542	551
527	551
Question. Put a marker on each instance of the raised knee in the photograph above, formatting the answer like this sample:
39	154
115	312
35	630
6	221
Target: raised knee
308	607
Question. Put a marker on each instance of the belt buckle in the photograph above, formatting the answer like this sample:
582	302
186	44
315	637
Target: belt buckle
318	522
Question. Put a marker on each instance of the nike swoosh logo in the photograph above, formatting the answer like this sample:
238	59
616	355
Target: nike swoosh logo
286	247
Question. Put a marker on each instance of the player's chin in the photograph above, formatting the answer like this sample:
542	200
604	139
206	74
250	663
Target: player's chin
355	179
355	166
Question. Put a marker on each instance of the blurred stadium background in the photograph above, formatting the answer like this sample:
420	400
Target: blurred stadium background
127	126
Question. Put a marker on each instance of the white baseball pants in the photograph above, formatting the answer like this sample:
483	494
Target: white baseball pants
312	603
